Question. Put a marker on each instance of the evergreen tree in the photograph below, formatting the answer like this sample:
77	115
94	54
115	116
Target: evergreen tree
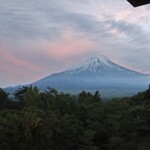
97	97
19	94
52	121
4	99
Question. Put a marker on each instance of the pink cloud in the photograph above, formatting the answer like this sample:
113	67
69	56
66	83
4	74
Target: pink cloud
128	15
15	70
10	59
25	62
68	46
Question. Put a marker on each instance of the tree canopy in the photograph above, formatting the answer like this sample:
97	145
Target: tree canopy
52	121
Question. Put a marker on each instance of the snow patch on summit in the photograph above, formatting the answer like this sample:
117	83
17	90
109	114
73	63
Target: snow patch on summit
95	64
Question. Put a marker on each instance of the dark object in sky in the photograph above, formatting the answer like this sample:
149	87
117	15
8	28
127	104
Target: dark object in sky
136	3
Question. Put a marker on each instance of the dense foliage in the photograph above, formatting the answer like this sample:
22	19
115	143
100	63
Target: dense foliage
49	120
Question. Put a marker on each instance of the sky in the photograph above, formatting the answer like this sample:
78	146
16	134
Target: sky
40	37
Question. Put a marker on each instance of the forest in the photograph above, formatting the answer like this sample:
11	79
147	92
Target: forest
52	120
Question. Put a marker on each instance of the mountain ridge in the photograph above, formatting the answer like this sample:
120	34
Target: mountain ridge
96	65
96	73
109	64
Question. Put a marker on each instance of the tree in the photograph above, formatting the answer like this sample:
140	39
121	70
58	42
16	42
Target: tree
97	97
3	98
85	97
19	94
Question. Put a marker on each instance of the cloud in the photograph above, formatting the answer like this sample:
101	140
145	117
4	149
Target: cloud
41	37
68	47
15	69
34	59
11	59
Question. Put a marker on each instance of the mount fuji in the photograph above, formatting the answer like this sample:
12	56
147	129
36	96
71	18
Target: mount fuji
97	73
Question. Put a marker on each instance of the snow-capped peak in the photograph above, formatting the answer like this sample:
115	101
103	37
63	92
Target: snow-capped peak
99	61
100	65
94	64
99	58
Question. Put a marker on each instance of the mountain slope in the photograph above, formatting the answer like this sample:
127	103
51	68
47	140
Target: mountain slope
100	65
97	73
